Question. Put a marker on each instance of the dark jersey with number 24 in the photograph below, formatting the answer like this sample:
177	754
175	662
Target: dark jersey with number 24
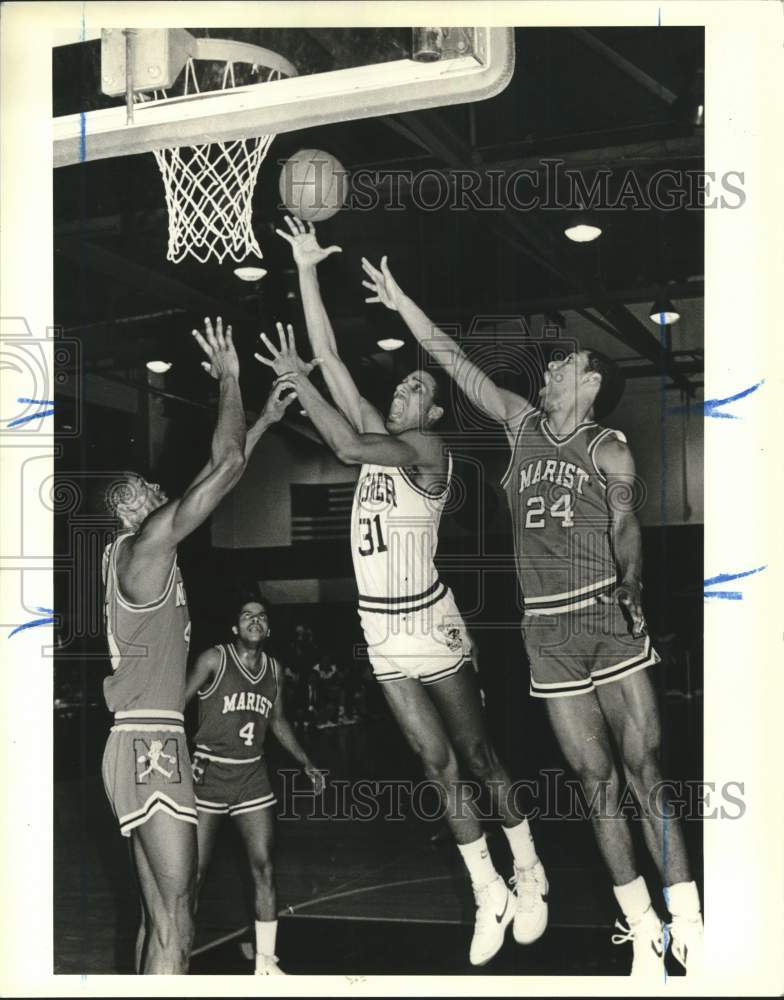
234	709
558	499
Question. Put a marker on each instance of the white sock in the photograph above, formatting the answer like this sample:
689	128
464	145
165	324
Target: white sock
266	933
683	900
478	862
522	844
633	898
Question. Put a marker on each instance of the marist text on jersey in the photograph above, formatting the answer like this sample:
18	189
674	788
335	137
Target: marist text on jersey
246	701
555	471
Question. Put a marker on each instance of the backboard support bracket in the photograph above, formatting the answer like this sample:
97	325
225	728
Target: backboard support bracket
283	105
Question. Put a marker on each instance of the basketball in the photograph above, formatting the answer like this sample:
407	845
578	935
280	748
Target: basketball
313	185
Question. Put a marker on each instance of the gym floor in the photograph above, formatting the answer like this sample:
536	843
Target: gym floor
356	898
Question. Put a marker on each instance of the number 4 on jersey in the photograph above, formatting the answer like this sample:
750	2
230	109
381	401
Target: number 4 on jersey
562	508
246	733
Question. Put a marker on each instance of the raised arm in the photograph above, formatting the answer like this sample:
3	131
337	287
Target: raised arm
307	256
499	404
202	672
615	460
278	401
145	561
353	448
350	446
168	526
284	734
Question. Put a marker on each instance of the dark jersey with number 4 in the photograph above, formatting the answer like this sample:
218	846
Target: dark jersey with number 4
234	709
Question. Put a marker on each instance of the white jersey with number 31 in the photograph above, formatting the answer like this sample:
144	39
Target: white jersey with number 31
394	537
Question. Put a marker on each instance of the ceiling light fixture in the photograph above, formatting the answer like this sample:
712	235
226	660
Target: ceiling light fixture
664	313
159	367
581	229
249	273
390	343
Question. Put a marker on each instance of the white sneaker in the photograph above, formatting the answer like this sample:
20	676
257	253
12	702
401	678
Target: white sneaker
687	944
495	907
647	936
530	889
267	965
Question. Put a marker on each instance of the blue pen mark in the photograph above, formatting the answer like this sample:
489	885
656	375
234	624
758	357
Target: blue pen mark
663	436
665	846
37	414
39	621
710	407
82	115
728	595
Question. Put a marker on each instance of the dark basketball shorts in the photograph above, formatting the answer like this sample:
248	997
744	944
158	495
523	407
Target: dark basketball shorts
230	787
146	769
575	653
427	645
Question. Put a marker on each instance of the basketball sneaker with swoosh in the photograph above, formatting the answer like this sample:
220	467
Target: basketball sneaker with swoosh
647	937
495	908
530	889
687	944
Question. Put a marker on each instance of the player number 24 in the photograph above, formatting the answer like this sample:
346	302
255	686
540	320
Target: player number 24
246	733
562	508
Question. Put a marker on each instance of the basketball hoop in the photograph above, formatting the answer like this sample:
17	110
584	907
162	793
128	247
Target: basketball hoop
209	187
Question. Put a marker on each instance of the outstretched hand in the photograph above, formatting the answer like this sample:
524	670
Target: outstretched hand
383	286
285	360
307	252
219	348
280	398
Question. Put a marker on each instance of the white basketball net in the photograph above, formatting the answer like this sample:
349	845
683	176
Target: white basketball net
209	189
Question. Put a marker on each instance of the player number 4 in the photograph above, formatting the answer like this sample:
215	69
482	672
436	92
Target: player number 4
246	733
562	508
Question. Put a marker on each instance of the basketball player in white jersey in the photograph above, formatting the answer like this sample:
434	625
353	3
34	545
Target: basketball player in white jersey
579	561
146	768
416	638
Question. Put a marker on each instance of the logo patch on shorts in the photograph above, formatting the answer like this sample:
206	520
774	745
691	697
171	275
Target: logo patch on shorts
157	759
199	767
453	637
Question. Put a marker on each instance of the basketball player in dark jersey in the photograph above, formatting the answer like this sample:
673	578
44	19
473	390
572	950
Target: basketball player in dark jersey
240	689
570	486
417	644
146	768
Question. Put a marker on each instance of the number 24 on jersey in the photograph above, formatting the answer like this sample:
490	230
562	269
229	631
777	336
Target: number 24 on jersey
536	511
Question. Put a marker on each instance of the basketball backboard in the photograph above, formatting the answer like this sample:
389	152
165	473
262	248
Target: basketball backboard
341	74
